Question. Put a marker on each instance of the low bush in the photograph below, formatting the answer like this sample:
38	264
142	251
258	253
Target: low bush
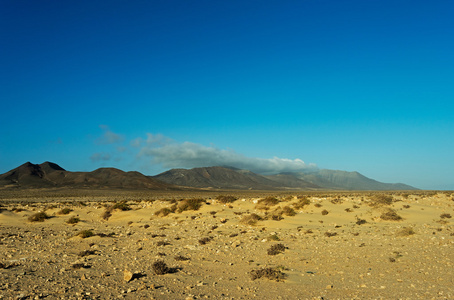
38	217
73	220
251	219
226	199
65	211
266	203
85	234
269	273
390	215
160	267
406	231
276	249
189	204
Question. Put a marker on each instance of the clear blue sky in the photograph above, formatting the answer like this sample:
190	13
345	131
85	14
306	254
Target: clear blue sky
363	86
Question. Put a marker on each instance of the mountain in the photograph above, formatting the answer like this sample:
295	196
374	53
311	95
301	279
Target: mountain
313	179
218	178
335	179
50	174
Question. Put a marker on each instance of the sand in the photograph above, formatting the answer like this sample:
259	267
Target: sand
347	252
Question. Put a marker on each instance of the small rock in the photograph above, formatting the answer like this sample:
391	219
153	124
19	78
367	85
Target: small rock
127	275
329	286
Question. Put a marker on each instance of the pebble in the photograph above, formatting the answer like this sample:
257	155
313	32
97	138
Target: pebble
127	275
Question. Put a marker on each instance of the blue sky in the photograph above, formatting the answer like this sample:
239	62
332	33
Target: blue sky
363	86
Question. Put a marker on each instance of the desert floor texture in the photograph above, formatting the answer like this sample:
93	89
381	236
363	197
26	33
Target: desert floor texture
144	245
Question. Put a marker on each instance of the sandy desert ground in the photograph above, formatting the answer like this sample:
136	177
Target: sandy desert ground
95	245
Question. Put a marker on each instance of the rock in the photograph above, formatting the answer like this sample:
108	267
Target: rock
127	275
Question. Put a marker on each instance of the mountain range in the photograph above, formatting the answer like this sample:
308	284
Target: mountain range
50	174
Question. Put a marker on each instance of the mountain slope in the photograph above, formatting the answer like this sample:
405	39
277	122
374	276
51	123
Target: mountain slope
219	178
335	179
49	174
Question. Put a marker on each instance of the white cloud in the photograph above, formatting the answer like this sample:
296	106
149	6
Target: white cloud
170	154
108	137
96	157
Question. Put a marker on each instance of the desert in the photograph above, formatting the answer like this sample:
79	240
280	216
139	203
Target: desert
60	243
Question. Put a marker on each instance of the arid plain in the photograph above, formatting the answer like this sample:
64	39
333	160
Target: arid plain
95	244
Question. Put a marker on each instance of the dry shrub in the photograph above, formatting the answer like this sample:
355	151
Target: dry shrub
269	273
381	200
204	240
189	204
162	243
360	221
406	231
445	216
276	249
330	234
38	217
390	215
73	220
288	211
318	205
122	205
250	219
85	234
325	212
266	203
181	258
302	202
226	199
163	212
86	253
65	211
160	267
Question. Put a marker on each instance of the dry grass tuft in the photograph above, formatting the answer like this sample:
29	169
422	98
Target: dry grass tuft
269	273
73	220
38	217
276	249
160	267
189	204
65	211
325	212
85	234
251	219
445	216
266	203
390	215
381	200
226	199
406	231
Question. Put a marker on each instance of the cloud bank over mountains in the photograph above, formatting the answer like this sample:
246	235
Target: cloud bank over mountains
157	149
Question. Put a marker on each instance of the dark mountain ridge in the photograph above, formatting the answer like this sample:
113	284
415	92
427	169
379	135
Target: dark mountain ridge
50	174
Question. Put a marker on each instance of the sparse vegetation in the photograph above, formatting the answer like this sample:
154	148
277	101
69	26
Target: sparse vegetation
269	273
276	249
266	203
86	253
85	234
65	211
160	267
73	220
189	204
381	200
181	258
445	216
406	231
330	234
303	201
325	212
38	217
390	215
226	199
360	221
122	205
251	219
204	240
